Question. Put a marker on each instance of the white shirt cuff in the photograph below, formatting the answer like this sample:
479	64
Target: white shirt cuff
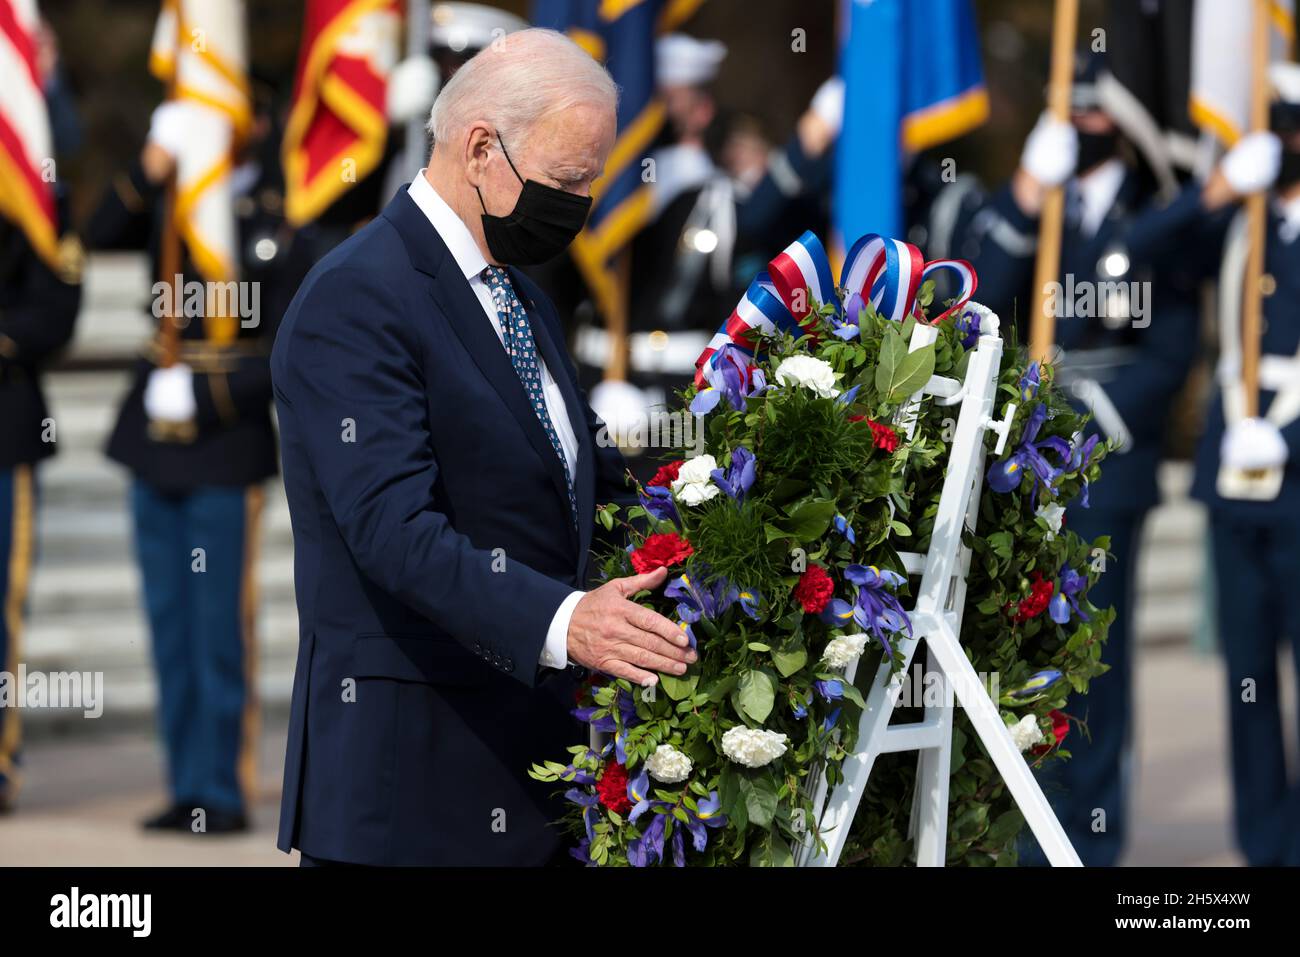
555	653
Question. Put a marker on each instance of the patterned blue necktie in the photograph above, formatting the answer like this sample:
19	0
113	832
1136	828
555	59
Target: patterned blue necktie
518	337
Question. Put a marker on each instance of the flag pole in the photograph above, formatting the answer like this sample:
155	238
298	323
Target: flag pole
415	151
1042	330
1252	306
169	253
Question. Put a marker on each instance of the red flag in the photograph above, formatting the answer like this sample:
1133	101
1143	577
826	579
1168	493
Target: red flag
337	125
26	163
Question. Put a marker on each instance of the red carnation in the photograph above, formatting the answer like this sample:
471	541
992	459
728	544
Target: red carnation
612	788
814	589
667	474
1040	596
661	551
1060	728
884	437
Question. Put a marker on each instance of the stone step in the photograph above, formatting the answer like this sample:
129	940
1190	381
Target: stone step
98	586
83	531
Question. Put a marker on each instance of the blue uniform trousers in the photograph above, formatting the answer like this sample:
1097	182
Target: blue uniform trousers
1255	563
196	554
17	549
1097	776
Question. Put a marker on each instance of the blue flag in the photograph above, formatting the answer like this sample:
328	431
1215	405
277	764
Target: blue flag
622	36
912	79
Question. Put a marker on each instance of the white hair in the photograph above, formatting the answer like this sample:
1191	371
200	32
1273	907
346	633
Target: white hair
517	80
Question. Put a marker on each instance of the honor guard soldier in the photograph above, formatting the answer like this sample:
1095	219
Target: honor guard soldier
38	309
1248	467
196	435
1126	337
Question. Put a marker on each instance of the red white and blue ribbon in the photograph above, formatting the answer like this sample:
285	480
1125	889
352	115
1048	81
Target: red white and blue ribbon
888	273
892	272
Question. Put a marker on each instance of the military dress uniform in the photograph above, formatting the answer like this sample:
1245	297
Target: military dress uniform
196	501
1125	370
38	309
1256	550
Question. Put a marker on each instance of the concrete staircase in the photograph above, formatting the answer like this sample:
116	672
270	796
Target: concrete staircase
85	604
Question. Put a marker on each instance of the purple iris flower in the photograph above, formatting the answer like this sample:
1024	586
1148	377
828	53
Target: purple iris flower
1038	682
586	715
582	852
968	324
844	528
1066	598
730	372
737	478
1005	475
847	328
800	708
749	602
707	814
679	849
649	847
875	608
831	689
696	600
588	802
831	718
1080	456
847	398
1029	382
658	501
638	792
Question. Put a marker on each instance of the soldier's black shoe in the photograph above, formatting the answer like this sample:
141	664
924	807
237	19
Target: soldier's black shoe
225	822
175	818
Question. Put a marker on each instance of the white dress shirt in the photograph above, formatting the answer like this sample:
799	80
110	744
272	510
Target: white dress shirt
470	259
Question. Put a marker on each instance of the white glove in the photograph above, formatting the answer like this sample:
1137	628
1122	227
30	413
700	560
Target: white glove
1252	165
171	127
1051	151
1253	444
169	394
621	406
412	88
828	104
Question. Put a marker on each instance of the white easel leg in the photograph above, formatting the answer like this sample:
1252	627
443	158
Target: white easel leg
983	714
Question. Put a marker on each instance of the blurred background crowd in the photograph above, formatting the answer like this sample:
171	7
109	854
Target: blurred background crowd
223	141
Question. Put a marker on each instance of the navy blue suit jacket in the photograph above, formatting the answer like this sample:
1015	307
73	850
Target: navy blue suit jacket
432	545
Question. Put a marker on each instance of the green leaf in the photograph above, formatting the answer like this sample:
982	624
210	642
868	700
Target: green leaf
808	520
760	800
790	658
755	695
913	373
676	687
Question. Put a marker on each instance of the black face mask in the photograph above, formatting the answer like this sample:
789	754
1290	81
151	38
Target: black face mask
1289	172
543	223
1095	148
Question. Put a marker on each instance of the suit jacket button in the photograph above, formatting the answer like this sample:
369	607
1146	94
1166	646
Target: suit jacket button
509	665
478	649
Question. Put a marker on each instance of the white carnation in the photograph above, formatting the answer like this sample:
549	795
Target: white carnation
1053	515
753	747
1026	733
843	651
668	765
694	483
809	372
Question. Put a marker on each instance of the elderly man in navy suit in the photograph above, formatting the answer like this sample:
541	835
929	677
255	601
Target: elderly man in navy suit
442	470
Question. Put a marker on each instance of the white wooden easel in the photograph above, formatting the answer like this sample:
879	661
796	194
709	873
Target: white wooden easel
936	619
